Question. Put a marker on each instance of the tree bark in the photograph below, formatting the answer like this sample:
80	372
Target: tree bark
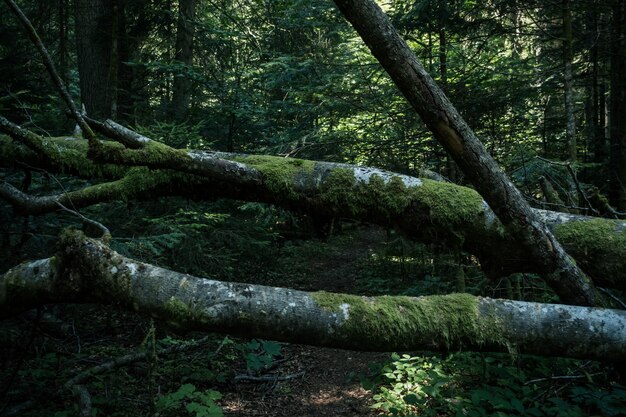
568	80
561	273
63	52
596	97
181	91
86	270
424	210
135	23
617	122
94	31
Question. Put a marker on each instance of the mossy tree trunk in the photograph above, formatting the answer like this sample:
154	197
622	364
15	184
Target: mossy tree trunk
423	209
87	270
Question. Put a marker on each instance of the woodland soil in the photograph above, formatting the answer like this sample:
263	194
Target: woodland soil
39	352
331	383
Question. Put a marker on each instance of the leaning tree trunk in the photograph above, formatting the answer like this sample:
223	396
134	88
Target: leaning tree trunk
86	270
559	270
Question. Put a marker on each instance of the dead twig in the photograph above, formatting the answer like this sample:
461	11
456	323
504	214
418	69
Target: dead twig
614	297
76	385
562	378
267	378
134	357
105	231
570	170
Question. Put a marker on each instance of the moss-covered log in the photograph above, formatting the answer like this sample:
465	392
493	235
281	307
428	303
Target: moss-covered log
87	270
60	154
423	209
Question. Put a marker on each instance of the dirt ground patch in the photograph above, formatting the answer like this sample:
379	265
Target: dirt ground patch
329	387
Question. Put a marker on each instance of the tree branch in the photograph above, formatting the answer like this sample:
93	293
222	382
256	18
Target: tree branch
47	61
106	233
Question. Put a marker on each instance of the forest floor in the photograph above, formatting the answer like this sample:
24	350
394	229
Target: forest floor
39	354
41	351
330	385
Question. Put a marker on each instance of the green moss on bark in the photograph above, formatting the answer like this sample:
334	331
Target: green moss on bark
66	154
280	175
386	199
153	153
88	263
409	323
599	242
183	316
449	204
138	180
338	190
177	311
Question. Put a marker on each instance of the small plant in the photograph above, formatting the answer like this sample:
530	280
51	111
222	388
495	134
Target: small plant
411	385
470	384
260	354
197	403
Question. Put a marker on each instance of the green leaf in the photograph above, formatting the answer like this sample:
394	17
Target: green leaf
253	345
517	405
271	348
411	399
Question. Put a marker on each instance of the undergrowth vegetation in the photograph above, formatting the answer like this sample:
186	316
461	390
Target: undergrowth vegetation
477	385
262	244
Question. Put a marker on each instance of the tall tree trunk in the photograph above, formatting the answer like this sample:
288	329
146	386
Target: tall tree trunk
443	64
63	52
570	124
454	173
125	73
134	26
113	65
93	45
602	117
617	164
560	271
597	99
184	54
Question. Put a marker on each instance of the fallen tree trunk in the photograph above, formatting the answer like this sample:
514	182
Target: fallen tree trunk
422	209
87	270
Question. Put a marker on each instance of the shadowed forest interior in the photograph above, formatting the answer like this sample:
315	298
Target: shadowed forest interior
312	207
